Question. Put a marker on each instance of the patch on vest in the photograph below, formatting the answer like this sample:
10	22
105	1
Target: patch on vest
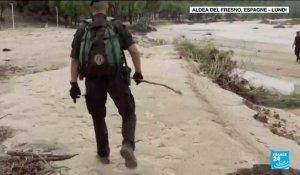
98	59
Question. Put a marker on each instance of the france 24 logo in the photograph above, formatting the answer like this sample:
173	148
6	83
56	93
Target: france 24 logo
280	160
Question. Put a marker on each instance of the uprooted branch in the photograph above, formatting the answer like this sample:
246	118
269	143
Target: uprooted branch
163	85
4	116
47	157
19	162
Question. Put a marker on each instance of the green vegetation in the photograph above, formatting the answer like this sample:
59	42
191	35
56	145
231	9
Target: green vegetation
3	6
160	42
218	65
276	100
212	61
75	9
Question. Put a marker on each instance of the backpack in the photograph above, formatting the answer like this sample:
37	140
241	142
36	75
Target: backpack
100	51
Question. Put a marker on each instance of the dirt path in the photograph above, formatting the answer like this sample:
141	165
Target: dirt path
206	130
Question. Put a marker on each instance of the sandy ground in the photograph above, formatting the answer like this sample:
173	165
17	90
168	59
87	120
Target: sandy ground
207	130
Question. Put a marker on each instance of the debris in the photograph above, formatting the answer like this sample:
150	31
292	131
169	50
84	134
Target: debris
166	86
141	28
243	171
277	116
255	28
264	169
251	105
283	120
267	111
36	156
5	133
278	125
265	21
279	26
4	116
6	50
19	162
260	116
274	130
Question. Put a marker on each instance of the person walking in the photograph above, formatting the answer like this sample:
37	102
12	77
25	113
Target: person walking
98	56
296	44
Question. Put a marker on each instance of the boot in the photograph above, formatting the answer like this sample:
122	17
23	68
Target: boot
128	154
104	160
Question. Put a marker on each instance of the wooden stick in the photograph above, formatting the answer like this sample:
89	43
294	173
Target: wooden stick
163	85
4	116
47	157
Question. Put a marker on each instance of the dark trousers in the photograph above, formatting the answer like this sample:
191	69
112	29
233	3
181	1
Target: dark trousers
297	52
96	95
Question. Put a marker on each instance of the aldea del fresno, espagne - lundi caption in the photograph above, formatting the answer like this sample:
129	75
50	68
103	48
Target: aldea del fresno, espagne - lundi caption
239	9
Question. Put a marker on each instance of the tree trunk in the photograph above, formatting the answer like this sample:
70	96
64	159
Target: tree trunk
75	20
66	20
130	13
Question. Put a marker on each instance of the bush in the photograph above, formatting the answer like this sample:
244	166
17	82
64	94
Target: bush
212	61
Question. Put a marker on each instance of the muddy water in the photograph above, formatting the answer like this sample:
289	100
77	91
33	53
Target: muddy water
248	31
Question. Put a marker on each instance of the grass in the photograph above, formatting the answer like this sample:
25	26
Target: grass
218	65
160	42
212	61
277	100
5	133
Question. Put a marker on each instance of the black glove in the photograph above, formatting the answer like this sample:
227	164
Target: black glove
138	77
75	91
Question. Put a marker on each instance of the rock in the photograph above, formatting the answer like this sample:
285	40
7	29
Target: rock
255	28
277	116
161	145
267	111
6	50
283	120
274	130
243	171
278	125
279	26
262	117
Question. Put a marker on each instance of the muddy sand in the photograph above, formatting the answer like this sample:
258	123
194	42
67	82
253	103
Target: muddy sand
207	130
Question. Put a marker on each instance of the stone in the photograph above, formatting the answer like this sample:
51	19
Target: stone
262	117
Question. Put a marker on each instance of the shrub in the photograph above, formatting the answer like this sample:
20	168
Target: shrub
212	61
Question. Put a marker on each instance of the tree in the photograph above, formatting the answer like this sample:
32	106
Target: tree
152	8
174	10
127	10
135	9
74	9
53	4
3	5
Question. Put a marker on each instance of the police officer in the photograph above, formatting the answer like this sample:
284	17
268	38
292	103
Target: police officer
116	86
